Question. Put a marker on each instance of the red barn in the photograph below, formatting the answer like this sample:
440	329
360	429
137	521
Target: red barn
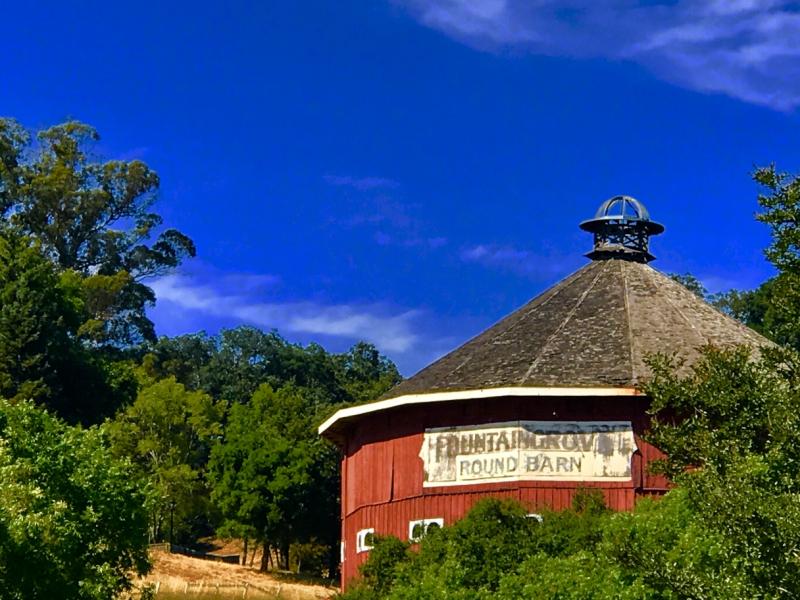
542	402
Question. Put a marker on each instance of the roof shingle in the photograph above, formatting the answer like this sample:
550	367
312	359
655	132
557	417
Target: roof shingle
592	329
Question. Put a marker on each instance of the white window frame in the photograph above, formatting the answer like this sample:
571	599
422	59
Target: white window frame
536	516
361	540
341	551
425	524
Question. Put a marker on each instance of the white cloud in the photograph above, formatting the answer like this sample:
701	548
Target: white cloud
747	49
493	254
391	332
523	262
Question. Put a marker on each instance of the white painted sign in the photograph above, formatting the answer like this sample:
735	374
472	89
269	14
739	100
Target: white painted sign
528	450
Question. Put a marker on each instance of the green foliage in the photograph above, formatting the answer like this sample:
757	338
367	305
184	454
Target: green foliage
232	365
72	204
41	356
273	474
380	571
730	406
92	218
773	309
270	462
13	140
35	321
781	211
481	555
757	309
730	429
365	373
167	432
691	283
72	524
77	238
474	552
184	357
731	529
309	557
571	531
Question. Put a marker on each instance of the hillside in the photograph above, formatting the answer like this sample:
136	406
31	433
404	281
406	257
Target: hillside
180	574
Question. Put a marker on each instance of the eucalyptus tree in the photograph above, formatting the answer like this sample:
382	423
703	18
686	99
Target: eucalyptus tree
93	218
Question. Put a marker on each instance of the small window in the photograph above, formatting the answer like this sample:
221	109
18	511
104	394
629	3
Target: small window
341	551
364	540
417	529
536	516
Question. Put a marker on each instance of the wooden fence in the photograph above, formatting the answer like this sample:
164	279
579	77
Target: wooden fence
231	591
222	590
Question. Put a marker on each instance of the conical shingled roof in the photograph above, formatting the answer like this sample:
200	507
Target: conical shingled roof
593	329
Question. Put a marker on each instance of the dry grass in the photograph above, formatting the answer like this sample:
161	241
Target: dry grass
177	576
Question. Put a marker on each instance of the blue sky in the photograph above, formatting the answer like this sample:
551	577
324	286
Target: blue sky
409	172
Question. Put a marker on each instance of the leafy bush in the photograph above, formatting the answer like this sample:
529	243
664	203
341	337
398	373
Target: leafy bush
380	571
72	522
471	558
310	558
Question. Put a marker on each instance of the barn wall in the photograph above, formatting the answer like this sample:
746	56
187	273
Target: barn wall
393	518
382	473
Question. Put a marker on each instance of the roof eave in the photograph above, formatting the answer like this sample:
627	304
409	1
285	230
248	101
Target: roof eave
333	428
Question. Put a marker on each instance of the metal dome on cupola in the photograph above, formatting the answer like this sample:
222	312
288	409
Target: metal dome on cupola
622	229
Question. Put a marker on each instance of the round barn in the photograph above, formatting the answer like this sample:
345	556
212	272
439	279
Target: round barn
537	405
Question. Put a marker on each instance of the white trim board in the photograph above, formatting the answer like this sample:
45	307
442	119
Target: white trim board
355	411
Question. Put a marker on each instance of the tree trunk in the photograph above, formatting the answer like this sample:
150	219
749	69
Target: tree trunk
284	556
264	557
244	552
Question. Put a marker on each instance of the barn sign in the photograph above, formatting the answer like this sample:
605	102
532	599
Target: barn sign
528	450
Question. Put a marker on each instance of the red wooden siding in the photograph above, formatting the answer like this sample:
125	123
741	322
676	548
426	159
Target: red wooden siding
382	473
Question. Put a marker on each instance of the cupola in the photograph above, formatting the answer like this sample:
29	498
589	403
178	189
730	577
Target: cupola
622	229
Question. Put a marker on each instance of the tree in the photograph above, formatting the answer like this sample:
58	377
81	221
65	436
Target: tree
780	205
13	141
366	373
36	319
93	218
41	357
231	366
72	523
691	283
273	475
730	430
184	357
167	432
773	309
247	357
